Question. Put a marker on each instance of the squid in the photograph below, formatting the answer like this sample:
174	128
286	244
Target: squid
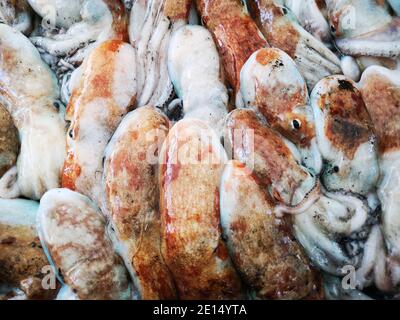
380	88
105	94
151	24
364	28
17	14
235	33
345	136
281	29
262	247
9	142
195	70
22	260
275	160
272	85
71	30
131	200
30	93
72	231
192	244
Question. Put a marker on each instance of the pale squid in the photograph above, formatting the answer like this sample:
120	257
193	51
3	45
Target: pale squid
364	28
30	93
72	231
380	88
104	95
235	33
192	244
195	71
281	29
151	25
23	263
17	14
131	200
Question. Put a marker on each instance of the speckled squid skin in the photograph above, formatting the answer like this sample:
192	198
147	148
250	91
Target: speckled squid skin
345	135
73	230
106	92
22	258
380	88
262	247
17	14
191	240
255	144
235	34
132	195
272	85
9	142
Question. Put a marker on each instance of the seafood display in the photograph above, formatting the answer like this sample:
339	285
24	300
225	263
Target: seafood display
199	149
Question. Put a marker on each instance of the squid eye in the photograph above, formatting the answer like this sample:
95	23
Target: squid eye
71	134
296	124
336	169
333	29
284	10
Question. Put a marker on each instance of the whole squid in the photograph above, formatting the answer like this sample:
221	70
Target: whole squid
192	244
105	93
30	93
131	200
282	30
72	231
262	247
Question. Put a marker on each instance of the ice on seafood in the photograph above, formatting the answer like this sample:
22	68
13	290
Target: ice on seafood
192	161
17	14
131	200
345	136
235	34
281	29
22	260
272	85
73	232
270	260
105	93
195	72
30	93
151	25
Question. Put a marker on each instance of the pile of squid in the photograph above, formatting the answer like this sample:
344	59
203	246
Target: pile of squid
205	149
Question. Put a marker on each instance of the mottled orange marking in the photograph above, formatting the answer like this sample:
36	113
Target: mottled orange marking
71	172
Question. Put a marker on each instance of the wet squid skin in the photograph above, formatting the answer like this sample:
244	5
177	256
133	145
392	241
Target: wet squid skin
281	29
152	23
17	14
262	247
131	200
345	135
30	94
195	71
380	89
9	142
106	92
253	143
234	32
192	245
73	231
364	28
272	85
22	259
